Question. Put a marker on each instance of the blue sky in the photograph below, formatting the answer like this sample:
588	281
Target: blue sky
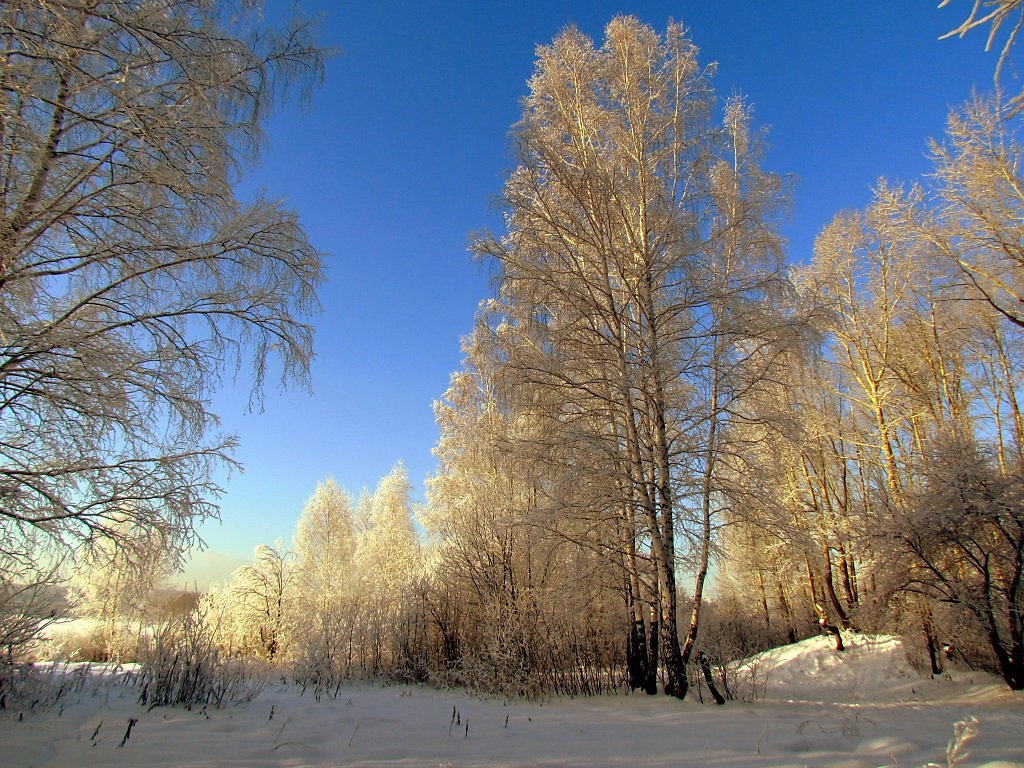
403	153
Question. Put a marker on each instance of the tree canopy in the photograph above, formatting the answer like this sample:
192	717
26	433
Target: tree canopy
131	275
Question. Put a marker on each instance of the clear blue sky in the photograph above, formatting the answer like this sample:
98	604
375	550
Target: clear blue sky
404	151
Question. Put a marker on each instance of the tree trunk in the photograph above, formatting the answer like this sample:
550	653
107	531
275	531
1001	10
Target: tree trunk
929	641
651	684
705	667
830	588
636	656
676	683
764	599
833	630
787	612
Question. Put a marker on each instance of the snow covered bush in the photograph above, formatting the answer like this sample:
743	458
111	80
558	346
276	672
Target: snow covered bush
36	686
501	662
324	655
182	665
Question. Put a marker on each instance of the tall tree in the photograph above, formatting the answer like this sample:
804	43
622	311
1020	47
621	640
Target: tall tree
521	586
325	542
130	273
743	332
387	556
963	532
637	237
919	295
323	589
387	551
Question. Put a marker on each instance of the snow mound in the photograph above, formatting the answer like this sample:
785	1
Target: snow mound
872	668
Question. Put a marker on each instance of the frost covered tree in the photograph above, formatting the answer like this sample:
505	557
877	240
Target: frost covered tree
255	604
980	204
324	587
387	556
388	552
521	584
324	545
895	483
637	280
130	273
963	376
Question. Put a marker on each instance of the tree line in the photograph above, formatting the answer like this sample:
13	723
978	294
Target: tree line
653	389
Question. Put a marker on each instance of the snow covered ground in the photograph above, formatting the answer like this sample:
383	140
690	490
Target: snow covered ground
864	708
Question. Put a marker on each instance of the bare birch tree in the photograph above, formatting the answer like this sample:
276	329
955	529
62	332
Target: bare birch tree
130	274
979	193
920	292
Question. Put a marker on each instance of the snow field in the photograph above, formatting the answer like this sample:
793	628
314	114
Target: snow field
864	709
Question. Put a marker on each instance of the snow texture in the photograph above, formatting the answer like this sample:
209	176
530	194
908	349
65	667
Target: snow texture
861	709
